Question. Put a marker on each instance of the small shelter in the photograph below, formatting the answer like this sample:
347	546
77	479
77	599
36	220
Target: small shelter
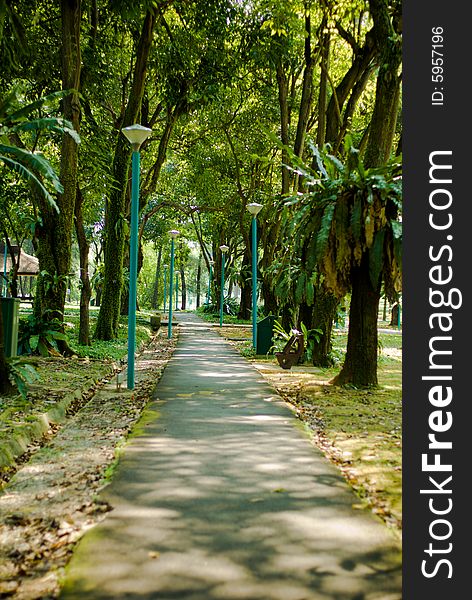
27	269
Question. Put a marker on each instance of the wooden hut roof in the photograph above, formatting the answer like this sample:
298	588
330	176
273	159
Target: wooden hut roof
29	265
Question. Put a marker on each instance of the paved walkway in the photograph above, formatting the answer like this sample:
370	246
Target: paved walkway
224	497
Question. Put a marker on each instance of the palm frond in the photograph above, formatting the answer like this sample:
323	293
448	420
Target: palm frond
25	111
36	162
51	124
318	158
325	230
28	175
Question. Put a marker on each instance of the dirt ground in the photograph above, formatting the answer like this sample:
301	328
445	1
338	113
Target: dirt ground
53	499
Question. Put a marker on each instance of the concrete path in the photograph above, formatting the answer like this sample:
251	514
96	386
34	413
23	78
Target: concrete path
224	497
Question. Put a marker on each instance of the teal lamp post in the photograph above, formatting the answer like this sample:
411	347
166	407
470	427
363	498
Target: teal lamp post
173	234
210	275
224	249
4	280
136	135
254	208
176	291
165	287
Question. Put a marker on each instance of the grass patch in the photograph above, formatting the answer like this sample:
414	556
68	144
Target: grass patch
99	349
227	319
363	430
59	376
113	349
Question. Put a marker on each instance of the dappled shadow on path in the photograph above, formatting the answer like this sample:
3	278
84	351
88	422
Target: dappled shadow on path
223	497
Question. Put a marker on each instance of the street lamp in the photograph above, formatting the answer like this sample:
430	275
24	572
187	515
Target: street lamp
173	234
176	291
165	287
136	135
223	249
4	280
254	208
210	275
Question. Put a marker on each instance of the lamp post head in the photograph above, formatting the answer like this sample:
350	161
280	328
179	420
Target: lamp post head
136	135
174	233
254	208
224	249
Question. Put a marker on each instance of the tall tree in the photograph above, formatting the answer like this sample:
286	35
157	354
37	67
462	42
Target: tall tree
54	233
115	215
348	227
360	365
85	286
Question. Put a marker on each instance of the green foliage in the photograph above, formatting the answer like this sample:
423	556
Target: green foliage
281	337
40	335
349	212
279	331
230	307
21	375
213	317
112	349
311	337
31	166
248	350
52	281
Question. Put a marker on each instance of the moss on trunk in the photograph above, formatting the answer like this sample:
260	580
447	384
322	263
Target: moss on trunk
115	212
360	365
324	313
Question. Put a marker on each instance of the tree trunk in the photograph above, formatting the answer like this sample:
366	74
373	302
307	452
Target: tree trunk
307	92
305	315
324	313
245	282
269	243
387	93
155	289
245	303
394	318
360	364
108	317
271	304
183	286
124	300
287	317
55	232
5	385
282	83
13	275
323	90
85	287
199	280
98	295
362	62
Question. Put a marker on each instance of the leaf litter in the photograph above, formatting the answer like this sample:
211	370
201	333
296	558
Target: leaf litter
54	498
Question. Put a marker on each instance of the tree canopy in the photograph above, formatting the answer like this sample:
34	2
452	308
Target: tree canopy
291	104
